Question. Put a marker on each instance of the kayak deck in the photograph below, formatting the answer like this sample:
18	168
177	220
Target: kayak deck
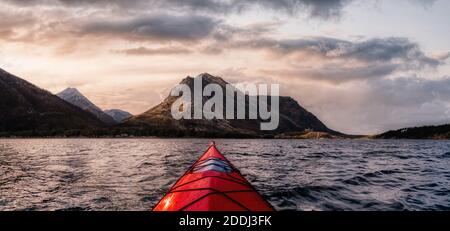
212	183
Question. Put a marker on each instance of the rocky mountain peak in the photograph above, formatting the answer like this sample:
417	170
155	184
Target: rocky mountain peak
293	117
71	90
30	110
75	97
206	79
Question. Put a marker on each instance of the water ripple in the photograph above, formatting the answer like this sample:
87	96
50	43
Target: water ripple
133	174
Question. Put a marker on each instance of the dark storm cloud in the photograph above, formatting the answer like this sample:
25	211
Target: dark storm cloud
336	74
374	50
340	61
388	49
155	27
155	51
315	8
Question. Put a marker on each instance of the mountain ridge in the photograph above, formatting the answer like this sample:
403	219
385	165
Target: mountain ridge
293	117
29	110
75	97
118	115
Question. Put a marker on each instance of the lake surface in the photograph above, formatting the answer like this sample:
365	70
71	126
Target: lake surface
132	174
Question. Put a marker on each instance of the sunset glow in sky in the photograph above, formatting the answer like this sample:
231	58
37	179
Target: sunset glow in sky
362	67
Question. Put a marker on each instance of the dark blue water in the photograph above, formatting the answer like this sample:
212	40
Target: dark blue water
132	174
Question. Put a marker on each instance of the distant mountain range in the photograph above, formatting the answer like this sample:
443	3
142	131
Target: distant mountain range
158	120
109	117
73	96
30	111
118	115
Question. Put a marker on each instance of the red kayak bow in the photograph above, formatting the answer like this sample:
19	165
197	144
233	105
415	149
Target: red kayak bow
212	183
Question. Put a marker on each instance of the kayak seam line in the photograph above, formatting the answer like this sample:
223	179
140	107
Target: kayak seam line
234	181
212	189
179	179
235	178
213	193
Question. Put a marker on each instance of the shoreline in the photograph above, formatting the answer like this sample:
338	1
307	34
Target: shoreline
206	138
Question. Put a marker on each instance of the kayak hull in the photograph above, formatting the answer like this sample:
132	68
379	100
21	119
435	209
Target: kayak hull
212	184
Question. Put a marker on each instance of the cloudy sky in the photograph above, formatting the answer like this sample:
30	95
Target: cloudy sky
362	67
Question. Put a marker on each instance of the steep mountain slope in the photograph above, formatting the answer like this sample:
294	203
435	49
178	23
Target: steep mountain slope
25	107
73	96
293	117
118	115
